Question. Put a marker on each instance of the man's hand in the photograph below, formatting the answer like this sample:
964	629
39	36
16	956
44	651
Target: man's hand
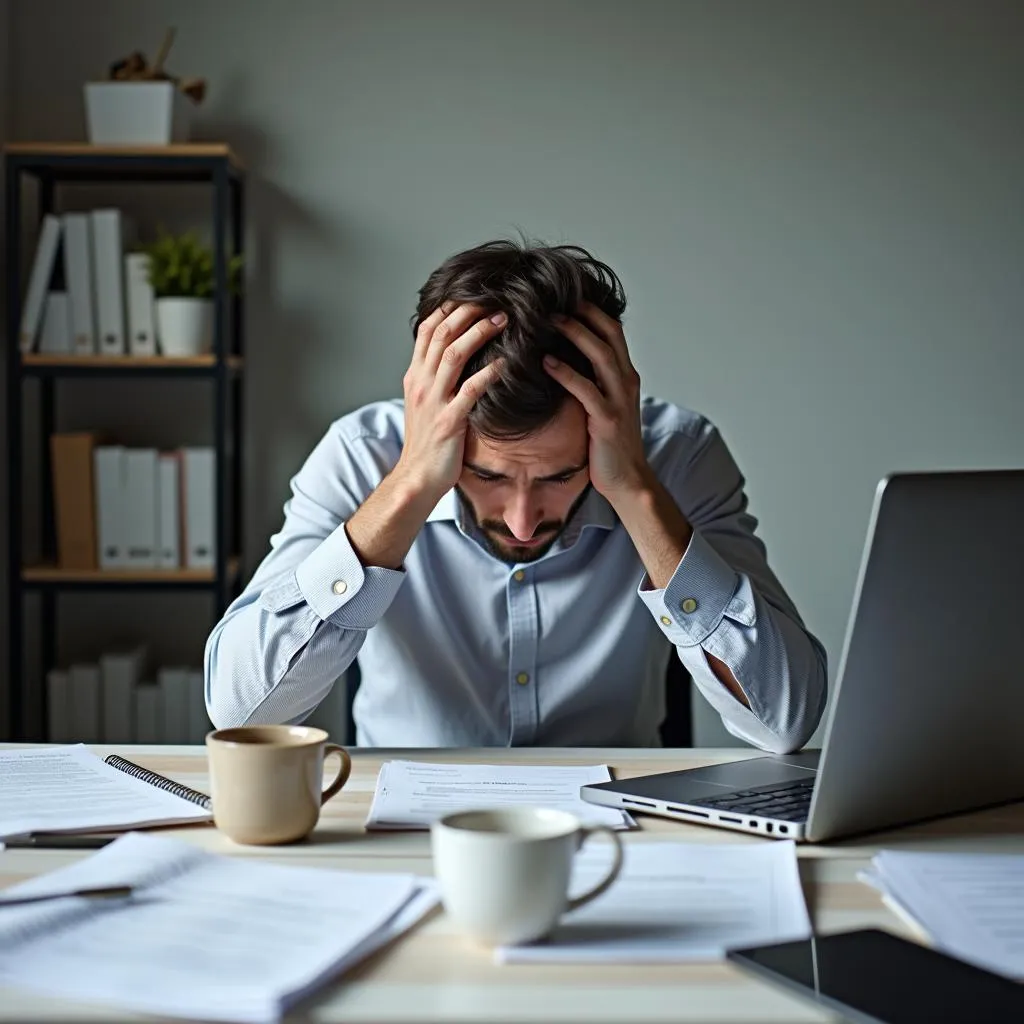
384	527
435	413
618	464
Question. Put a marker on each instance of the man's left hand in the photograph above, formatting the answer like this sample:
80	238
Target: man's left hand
618	464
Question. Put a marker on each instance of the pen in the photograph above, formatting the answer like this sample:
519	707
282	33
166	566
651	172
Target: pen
106	892
41	842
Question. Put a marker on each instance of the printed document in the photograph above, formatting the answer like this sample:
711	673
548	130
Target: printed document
676	902
968	905
204	935
70	789
412	794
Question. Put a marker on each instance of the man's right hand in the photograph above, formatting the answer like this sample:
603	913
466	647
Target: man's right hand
436	414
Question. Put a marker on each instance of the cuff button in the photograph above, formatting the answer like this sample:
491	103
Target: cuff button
339	587
688	604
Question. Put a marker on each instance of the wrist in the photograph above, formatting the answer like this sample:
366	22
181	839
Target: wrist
637	491
412	490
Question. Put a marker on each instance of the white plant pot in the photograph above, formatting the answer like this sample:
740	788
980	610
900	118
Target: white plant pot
184	326
136	113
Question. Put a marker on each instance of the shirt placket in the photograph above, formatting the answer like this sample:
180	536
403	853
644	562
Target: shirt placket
522	663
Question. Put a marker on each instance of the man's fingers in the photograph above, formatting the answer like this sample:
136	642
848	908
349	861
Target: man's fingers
454	357
600	353
425	331
473	388
609	329
453	326
585	391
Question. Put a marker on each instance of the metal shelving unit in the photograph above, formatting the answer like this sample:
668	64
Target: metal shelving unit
51	165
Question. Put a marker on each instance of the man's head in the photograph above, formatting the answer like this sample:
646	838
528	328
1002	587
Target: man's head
525	464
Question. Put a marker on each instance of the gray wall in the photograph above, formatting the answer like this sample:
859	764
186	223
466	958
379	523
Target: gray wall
815	208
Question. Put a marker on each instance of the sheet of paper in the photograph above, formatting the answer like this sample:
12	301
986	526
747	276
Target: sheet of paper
205	936
67	789
412	794
970	905
676	902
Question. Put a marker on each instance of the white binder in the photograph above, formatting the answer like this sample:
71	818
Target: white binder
39	282
198	720
109	234
173	683
119	673
58	706
78	278
108	474
86	720
140	508
55	336
141	309
168	511
199	480
149	713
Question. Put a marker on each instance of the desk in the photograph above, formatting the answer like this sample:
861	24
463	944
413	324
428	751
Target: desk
432	975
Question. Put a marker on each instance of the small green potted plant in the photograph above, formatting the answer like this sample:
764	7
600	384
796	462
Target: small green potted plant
181	273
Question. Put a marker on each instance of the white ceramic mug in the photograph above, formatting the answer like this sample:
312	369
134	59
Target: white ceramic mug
504	873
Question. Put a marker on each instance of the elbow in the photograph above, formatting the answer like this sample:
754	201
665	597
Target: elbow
796	729
223	706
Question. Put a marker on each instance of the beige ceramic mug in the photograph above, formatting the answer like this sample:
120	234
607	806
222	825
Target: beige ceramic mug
265	781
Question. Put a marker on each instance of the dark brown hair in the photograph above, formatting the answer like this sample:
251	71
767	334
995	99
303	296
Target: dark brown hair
529	283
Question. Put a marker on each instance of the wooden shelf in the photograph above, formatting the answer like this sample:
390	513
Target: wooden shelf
51	574
98	362
203	150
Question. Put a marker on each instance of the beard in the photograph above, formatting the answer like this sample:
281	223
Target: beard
502	543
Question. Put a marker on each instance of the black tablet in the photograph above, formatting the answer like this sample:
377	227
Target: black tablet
874	977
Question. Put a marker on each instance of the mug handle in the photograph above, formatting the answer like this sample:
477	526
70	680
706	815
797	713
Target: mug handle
343	772
585	833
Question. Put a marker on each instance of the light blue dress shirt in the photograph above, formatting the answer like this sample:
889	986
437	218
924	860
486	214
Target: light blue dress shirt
461	649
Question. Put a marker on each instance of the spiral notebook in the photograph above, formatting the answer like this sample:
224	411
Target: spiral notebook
160	781
71	789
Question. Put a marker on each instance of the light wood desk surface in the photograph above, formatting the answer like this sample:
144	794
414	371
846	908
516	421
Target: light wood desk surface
431	974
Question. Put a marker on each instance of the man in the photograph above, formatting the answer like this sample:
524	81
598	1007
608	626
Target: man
509	548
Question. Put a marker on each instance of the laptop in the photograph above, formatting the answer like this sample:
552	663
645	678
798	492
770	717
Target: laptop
928	704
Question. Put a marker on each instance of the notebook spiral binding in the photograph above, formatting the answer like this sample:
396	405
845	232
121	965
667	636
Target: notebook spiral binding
160	781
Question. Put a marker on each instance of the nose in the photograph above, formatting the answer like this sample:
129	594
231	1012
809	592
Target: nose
523	515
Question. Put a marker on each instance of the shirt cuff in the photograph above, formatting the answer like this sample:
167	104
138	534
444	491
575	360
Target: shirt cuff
702	590
340	589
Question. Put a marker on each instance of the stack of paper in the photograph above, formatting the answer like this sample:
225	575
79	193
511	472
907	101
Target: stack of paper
203	935
412	794
968	905
676	902
69	789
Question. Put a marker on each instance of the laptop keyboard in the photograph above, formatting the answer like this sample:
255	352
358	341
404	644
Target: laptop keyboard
789	801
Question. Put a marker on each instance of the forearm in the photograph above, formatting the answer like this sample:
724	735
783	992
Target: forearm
273	667
715	615
383	528
661	534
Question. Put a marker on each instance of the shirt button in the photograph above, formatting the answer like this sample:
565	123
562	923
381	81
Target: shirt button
688	604
519	575
339	587
522	679
666	621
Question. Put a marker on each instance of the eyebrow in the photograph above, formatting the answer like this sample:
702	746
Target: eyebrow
569	471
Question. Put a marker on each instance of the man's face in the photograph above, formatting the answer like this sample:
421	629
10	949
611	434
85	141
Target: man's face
522	494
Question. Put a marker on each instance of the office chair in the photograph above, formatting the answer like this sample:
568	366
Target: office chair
676	730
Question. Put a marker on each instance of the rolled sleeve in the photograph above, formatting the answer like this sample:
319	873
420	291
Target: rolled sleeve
703	589
336	585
